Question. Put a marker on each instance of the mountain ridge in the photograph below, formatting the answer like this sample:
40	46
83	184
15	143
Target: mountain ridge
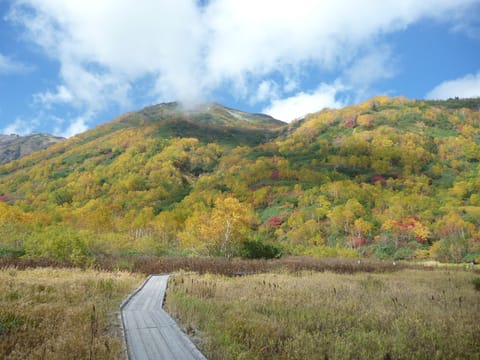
389	178
14	147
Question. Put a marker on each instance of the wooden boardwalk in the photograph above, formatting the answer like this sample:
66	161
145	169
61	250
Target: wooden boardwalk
150	333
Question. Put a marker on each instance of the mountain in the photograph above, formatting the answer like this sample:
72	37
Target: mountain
207	122
388	178
13	147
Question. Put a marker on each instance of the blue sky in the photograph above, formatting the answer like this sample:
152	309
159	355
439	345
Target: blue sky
66	66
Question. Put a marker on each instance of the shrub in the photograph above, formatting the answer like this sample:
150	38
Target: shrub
255	249
123	265
384	251
58	242
450	249
476	283
473	257
404	253
11	252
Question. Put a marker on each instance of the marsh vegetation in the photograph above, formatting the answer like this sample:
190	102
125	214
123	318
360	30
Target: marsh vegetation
62	314
408	314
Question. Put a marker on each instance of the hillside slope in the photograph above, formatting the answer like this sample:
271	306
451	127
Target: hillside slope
390	178
14	147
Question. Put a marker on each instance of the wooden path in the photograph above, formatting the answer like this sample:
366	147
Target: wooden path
150	333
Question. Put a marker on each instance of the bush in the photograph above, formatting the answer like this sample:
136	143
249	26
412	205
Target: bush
11	253
450	249
256	249
472	257
123	265
404	253
384	251
58	242
388	251
476	283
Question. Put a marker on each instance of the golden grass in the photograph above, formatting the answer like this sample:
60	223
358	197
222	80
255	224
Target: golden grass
62	313
409	314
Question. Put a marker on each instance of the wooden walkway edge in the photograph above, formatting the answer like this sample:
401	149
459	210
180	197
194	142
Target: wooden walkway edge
149	332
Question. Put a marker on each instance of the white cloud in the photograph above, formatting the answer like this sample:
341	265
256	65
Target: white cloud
290	85
468	23
262	36
299	105
267	90
8	66
104	47
373	65
61	95
189	51
376	65
466	87
77	126
21	127
25	127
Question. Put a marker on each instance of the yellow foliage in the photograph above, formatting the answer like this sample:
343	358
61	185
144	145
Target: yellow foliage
362	227
219	231
366	120
421	254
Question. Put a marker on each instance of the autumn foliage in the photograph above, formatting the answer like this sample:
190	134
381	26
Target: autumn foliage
390	178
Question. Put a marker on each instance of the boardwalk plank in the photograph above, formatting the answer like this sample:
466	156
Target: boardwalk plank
137	352
150	333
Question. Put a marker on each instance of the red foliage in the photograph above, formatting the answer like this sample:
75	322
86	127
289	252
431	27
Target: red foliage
420	240
357	241
409	226
275	221
275	175
350	122
4	198
379	178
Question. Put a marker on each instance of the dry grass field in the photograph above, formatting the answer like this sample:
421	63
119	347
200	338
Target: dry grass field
215	265
48	313
407	314
293	308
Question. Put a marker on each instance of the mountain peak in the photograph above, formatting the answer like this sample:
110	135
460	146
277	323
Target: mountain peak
211	112
13	146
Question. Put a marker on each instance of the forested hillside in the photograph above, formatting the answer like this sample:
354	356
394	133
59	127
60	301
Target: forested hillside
390	178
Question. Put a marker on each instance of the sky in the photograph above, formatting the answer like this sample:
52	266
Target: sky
67	66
